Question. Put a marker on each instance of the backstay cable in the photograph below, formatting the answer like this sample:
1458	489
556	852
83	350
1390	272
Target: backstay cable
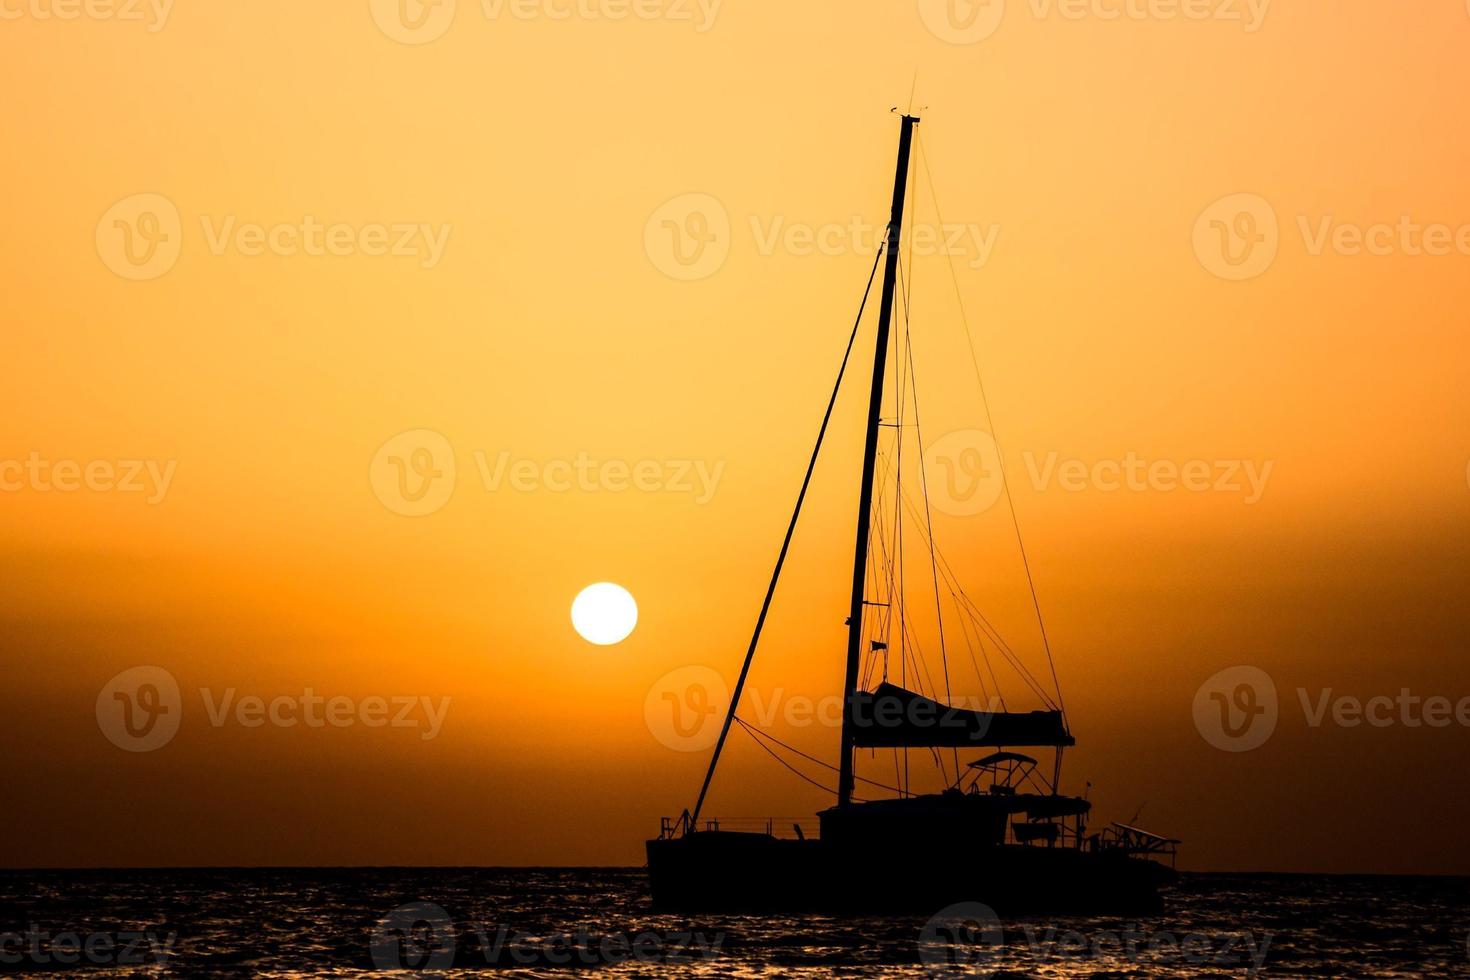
1004	479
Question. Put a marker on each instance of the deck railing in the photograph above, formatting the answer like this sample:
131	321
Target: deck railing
1117	838
783	828
1136	842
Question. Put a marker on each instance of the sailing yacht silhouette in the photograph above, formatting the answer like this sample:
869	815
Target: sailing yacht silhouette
1000	832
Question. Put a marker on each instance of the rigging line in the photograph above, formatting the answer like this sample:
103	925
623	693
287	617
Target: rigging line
887	584
1000	457
970	645
951	586
899	598
1010	655
924	489
1007	653
870	656
959	601
880	574
868	660
785	545
989	665
888	567
979	641
878	567
792	769
880	481
883	624
759	733
908	638
964	604
924	679
931	692
967	605
983	624
763	734
971	642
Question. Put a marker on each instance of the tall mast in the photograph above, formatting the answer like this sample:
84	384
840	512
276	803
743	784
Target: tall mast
870	459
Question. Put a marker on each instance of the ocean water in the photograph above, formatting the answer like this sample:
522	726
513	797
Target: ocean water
555	922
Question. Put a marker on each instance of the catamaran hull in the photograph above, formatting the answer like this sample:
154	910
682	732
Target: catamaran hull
733	872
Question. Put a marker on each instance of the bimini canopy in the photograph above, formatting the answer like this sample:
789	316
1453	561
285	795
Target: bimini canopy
996	758
893	718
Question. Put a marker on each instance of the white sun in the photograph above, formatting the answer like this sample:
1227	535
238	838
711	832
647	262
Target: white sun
604	613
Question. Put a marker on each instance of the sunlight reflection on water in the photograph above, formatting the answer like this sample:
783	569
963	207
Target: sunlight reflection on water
328	923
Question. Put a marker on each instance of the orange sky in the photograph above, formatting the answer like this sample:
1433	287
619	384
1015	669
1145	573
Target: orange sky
520	160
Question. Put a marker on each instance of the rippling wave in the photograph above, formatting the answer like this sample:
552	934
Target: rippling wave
529	922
